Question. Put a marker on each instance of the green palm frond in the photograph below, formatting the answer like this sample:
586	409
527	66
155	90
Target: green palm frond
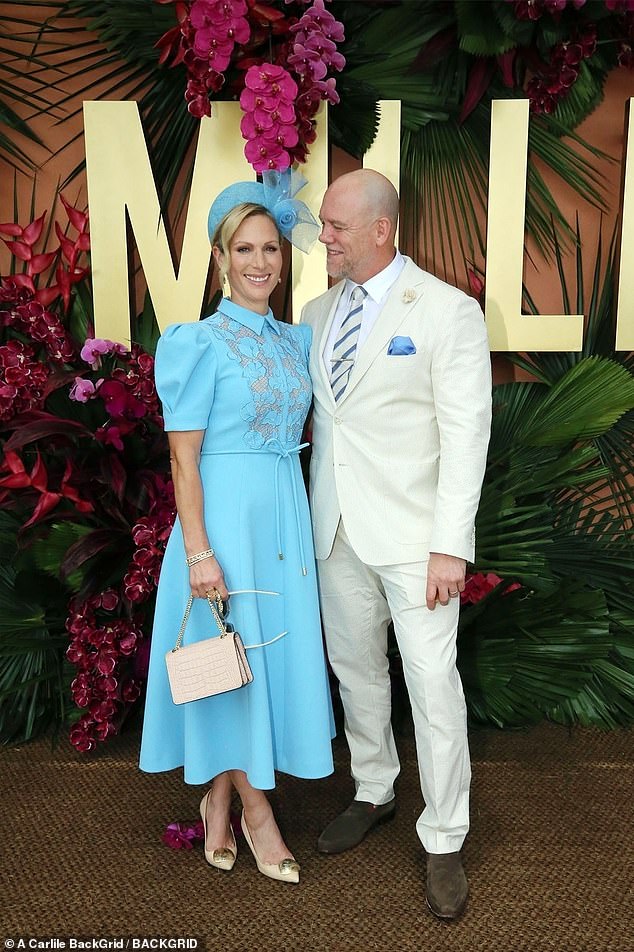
509	671
588	400
479	31
33	687
556	516
615	444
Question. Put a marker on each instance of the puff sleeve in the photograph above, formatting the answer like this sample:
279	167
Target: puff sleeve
185	373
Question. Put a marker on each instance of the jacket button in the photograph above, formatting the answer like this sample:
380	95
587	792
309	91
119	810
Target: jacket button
337	420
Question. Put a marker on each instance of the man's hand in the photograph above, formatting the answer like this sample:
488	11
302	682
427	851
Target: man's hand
445	578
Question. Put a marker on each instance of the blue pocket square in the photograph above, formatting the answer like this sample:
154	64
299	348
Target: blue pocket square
401	346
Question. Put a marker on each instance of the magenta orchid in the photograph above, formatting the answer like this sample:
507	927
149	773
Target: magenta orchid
268	125
279	120
546	88
180	836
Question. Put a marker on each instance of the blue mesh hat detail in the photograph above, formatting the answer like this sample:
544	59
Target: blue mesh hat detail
276	192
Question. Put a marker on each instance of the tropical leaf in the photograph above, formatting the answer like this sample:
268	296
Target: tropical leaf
615	446
522	31
49	552
354	127
33	687
588	400
145	330
509	672
479	31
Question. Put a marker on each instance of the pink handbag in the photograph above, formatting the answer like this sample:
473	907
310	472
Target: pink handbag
207	667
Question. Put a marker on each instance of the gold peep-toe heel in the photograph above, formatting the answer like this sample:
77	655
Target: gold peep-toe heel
223	858
285	872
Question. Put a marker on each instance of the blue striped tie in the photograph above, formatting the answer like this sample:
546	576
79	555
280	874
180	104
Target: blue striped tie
345	347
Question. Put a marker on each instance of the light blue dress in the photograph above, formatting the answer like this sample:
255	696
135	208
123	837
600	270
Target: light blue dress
243	379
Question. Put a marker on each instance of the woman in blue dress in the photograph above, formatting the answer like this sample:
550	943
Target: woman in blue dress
235	391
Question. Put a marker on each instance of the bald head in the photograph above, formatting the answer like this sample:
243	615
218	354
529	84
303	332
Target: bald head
359	213
373	193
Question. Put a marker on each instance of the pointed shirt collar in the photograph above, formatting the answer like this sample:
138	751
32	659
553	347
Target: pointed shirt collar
246	317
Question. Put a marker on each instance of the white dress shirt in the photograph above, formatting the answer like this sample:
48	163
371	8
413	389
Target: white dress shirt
378	288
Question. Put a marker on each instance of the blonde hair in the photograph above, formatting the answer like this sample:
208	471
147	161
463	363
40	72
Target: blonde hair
228	226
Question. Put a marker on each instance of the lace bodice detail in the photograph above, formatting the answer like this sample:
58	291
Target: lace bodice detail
275	368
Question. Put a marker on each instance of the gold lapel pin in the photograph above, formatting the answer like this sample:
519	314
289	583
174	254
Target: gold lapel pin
409	295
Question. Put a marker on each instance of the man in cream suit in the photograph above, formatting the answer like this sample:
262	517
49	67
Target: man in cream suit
402	406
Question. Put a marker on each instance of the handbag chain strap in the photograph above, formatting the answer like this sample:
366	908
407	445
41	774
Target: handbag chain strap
214	611
214	604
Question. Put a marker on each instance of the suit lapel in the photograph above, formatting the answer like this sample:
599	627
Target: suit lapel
404	295
319	369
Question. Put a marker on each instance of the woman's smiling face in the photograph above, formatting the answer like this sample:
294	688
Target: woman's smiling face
255	263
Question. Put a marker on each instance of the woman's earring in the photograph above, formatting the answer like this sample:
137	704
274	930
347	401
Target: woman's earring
279	280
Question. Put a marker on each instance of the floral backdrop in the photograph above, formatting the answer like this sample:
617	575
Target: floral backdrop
85	493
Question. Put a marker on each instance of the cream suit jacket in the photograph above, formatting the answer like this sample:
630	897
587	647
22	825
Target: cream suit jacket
402	455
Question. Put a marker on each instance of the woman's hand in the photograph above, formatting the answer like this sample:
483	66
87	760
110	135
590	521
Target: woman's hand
206	576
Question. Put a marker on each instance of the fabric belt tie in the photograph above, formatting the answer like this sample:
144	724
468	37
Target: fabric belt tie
274	446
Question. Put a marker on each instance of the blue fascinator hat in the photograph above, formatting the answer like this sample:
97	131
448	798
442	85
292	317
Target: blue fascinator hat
276	192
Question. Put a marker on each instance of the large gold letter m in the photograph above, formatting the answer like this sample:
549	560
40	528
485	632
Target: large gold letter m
120	180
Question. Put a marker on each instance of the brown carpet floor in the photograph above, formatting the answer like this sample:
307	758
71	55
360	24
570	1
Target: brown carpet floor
550	858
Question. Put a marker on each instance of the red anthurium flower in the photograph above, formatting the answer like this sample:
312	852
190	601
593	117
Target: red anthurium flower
24	281
40	263
78	220
19	477
475	283
169	44
68	247
506	62
19	249
11	228
69	492
32	232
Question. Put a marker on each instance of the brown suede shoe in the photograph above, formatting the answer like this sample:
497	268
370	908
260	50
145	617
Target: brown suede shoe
351	826
447	887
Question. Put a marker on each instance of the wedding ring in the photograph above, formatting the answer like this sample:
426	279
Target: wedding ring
453	594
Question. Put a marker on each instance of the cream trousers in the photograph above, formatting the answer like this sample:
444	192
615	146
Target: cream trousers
357	602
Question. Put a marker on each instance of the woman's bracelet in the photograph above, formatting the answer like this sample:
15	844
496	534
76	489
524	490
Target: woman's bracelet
207	554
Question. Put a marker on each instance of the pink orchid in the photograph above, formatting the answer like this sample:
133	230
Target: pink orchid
307	62
319	20
83	390
271	79
327	50
95	348
263	155
266	108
